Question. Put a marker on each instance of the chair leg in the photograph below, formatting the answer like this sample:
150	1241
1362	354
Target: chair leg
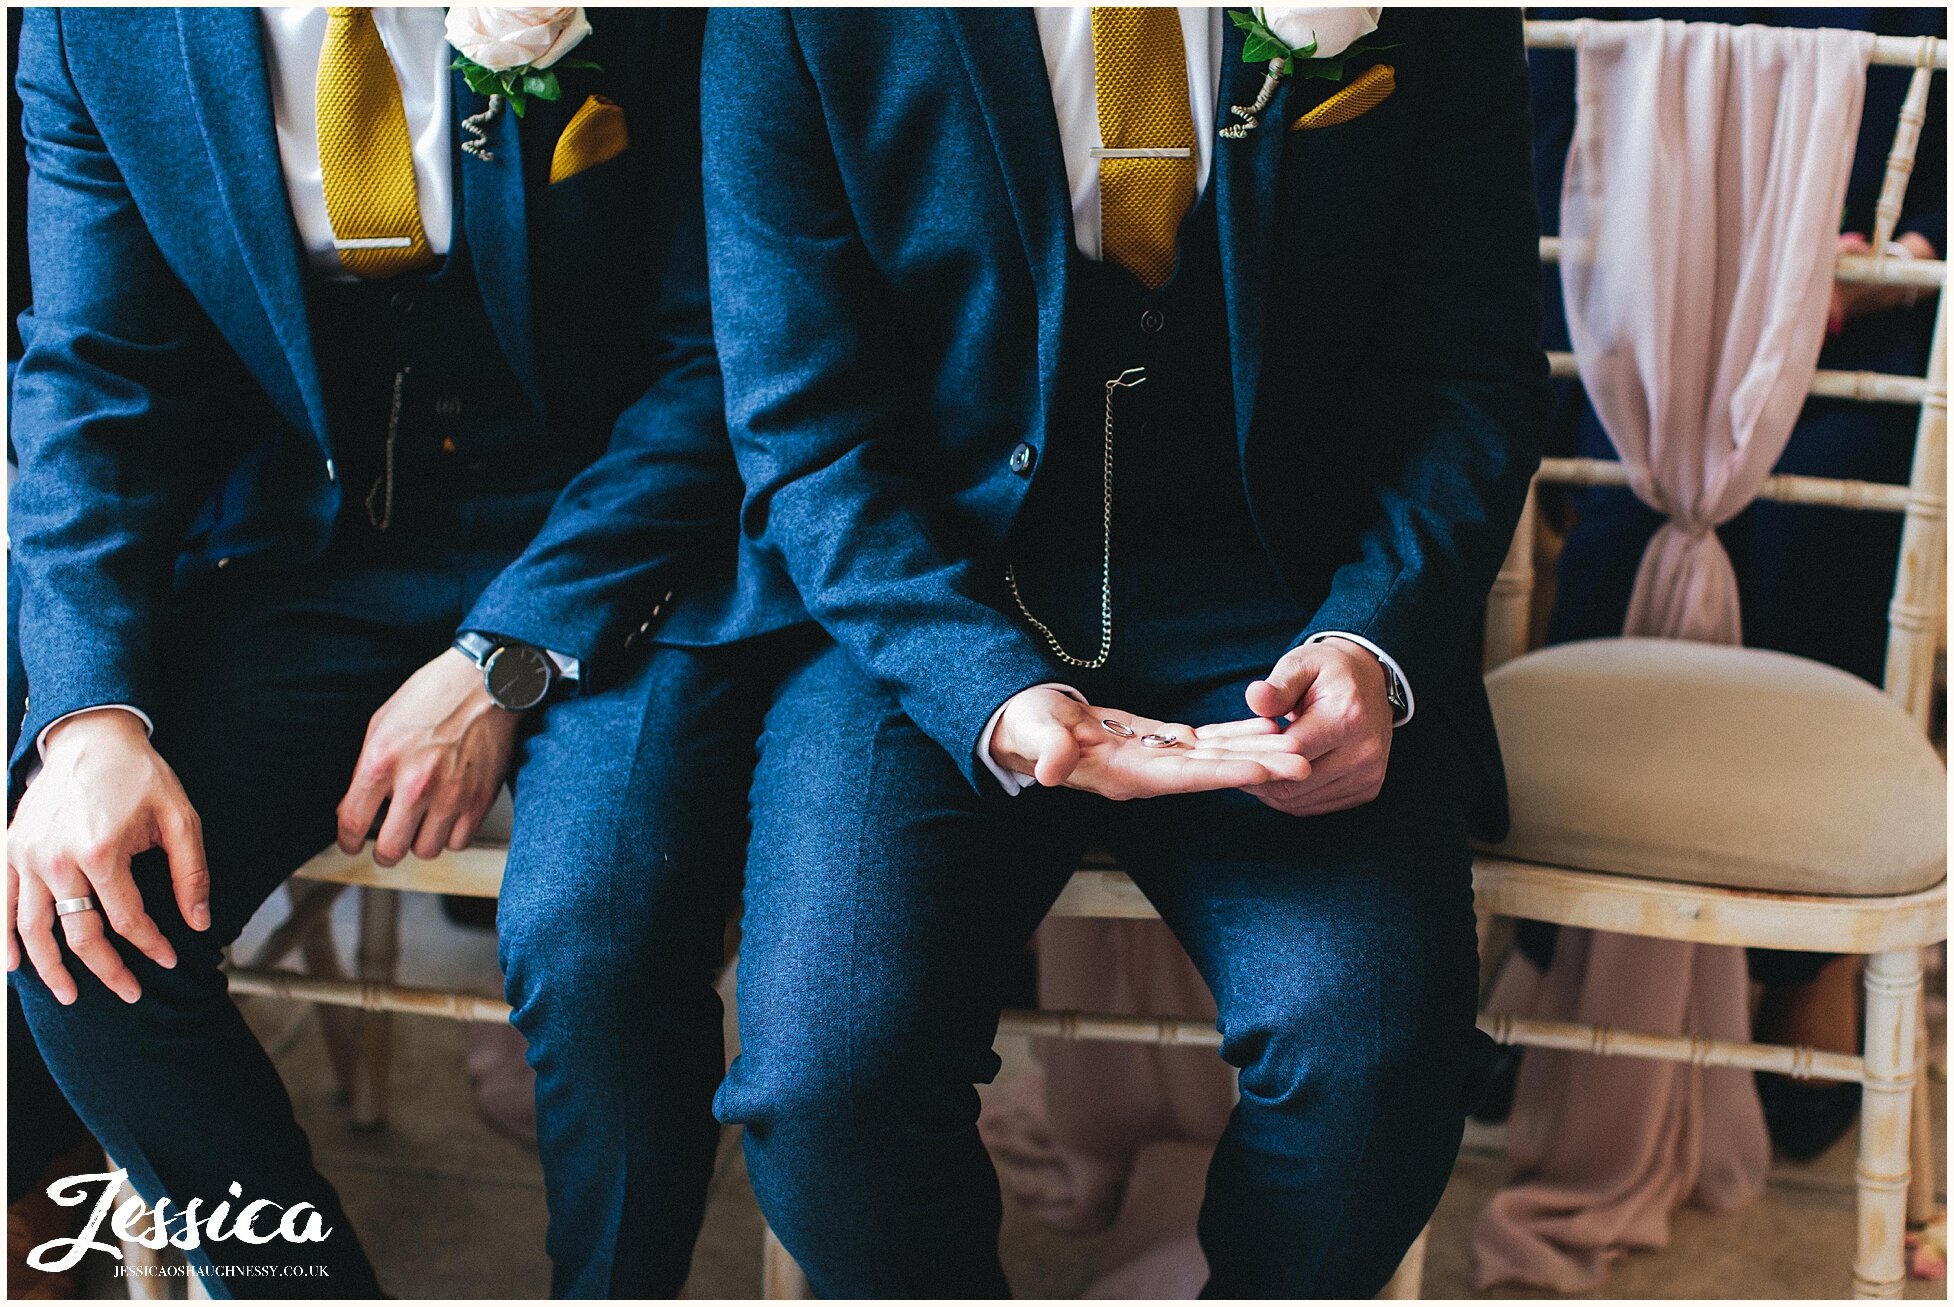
780	1277
1925	1180
338	1026
1408	1281
378	956
1885	1136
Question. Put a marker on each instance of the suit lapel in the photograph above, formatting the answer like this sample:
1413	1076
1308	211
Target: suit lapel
231	99
1005	62
497	229
1245	174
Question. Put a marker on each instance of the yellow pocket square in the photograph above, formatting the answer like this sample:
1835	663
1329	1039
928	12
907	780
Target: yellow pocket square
1371	88
595	134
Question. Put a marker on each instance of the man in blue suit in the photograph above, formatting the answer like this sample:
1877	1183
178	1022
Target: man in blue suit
1048	393
363	428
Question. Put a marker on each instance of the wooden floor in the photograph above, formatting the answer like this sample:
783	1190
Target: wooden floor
450	1209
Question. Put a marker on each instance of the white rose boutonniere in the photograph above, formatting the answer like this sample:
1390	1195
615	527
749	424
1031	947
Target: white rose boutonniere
513	53
1306	42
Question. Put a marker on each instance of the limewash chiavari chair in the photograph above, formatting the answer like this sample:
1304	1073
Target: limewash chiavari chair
1840	912
1861	869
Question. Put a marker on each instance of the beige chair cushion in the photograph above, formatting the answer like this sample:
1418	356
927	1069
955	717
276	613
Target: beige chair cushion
1716	765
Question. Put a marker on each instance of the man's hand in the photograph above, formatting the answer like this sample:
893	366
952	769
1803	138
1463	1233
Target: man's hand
103	795
436	753
1045	733
1336	695
1856	299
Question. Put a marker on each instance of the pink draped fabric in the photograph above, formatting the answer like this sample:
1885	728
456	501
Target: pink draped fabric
1699	217
1117	1136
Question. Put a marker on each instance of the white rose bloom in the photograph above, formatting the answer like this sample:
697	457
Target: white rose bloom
1334	30
533	36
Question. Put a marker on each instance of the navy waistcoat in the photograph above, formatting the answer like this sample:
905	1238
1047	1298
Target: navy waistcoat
1187	563
464	421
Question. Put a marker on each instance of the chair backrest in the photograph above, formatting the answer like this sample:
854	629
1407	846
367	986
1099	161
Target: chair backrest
1916	616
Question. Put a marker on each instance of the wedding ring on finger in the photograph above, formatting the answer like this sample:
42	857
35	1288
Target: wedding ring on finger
69	907
1161	741
1118	727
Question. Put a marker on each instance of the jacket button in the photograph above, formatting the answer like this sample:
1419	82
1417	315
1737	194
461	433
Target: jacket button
1022	458
1153	321
1148	430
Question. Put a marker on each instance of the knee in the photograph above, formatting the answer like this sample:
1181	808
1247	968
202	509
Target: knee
573	956
1291	1063
833	1079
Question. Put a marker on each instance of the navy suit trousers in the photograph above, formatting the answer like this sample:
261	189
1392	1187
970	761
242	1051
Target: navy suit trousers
271	683
631	821
886	901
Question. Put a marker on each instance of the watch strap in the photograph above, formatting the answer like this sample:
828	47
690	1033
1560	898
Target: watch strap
476	646
1394	691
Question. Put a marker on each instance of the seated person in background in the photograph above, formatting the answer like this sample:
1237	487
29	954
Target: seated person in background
1814	581
355	457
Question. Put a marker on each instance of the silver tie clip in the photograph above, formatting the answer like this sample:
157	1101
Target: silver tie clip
373	243
1176	152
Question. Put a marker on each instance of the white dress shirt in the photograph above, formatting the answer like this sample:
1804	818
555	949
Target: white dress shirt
418	47
1065	33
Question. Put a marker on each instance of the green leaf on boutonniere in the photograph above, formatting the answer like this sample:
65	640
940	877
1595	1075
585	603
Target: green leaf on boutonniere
1260	44
480	80
1259	50
516	85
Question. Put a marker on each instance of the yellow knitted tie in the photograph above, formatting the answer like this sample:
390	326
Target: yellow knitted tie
366	158
1140	73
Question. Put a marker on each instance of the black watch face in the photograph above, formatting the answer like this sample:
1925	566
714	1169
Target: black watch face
518	676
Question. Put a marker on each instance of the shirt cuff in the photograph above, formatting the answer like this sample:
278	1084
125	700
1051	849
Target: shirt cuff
1013	781
40	741
1390	665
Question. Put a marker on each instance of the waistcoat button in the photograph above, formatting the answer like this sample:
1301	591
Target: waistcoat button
1153	321
1022	458
401	302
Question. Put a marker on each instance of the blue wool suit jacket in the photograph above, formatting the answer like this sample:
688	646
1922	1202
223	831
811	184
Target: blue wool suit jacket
889	227
168	411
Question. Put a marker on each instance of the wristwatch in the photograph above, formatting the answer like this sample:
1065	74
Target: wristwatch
1394	692
518	676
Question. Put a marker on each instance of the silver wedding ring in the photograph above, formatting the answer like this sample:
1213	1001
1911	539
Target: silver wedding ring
1160	741
69	907
1118	728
